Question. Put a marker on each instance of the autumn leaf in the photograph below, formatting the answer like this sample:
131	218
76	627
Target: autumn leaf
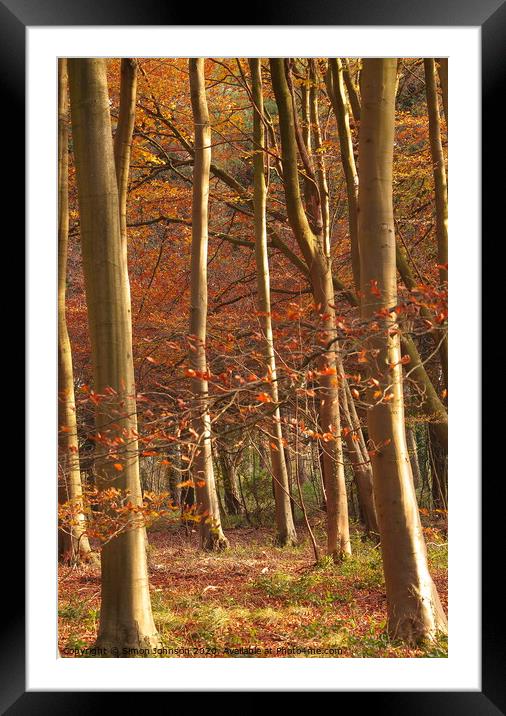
374	288
186	483
328	370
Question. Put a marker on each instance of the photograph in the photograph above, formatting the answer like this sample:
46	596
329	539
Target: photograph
252	399
234	226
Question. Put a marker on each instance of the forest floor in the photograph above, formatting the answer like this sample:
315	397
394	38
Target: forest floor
255	599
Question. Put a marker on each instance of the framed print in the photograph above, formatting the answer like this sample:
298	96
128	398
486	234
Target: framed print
243	385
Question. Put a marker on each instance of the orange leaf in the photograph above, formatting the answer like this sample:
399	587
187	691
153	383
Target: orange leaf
186	483
374	288
329	370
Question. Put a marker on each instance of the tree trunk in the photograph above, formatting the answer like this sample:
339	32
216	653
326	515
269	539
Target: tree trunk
126	619
172	480
285	527
413	457
439	471
123	140
443	79
353	92
321	173
335	88
73	541
211	533
359	458
440	188
233	504
430	403
414	609
320	274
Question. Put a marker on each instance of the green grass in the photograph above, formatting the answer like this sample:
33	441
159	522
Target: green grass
437	554
316	587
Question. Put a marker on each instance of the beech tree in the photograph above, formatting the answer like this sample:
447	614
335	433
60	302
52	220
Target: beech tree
440	187
284	520
352	87
317	258
126	620
74	543
211	533
335	84
337	94
443	78
123	140
414	608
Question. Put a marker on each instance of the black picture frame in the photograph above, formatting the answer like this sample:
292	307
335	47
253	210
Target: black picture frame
490	15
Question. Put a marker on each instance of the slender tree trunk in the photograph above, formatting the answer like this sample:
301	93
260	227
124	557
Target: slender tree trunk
172	479
74	542
414	610
233	504
123	140
439	472
320	274
211	533
126	619
321	173
286	533
335	88
122	150
443	79
359	458
413	456
440	188
352	88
